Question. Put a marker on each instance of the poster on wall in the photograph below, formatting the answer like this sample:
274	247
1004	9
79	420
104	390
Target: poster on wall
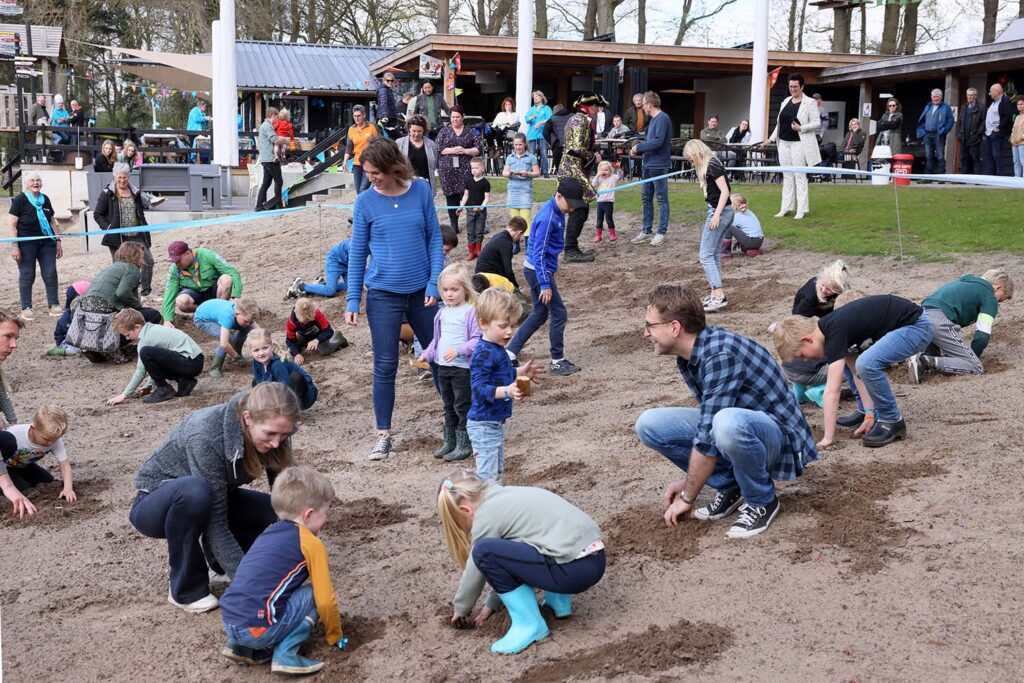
430	67
9	8
866	110
7	44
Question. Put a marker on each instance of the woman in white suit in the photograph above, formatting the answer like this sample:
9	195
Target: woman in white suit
798	146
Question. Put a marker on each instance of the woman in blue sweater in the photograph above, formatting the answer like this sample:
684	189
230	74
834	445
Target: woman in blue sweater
395	223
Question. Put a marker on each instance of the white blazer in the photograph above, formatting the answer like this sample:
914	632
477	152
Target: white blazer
810	122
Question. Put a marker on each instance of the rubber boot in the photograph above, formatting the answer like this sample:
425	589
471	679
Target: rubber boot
448	444
799	392
336	342
816	393
528	626
238	343
598	238
216	365
463	447
286	654
611	235
560	604
727	248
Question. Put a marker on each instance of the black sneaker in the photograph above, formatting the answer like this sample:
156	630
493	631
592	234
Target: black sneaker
577	256
753	520
850	420
884	433
164	393
916	367
563	368
247	655
185	386
724	504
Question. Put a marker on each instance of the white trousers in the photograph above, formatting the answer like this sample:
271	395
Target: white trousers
792	154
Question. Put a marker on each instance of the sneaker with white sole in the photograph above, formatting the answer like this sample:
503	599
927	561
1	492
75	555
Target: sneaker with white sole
204	604
563	368
657	239
293	291
724	504
916	367
381	448
27	314
753	520
156	201
219	578
715	303
641	238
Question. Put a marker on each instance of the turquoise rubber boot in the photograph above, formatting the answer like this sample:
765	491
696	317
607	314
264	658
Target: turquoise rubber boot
560	604
800	392
528	626
817	394
286	653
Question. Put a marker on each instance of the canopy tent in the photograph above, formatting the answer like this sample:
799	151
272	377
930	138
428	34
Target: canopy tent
178	71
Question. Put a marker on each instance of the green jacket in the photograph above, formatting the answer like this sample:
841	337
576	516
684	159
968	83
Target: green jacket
201	276
971	300
118	285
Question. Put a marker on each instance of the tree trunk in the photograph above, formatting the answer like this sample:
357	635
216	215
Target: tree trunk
791	38
443	17
890	29
841	30
908	41
605	18
590	20
863	29
988	31
641	21
541	10
800	35
1020	11
296	20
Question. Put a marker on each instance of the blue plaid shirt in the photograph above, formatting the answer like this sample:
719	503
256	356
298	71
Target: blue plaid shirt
489	368
727	370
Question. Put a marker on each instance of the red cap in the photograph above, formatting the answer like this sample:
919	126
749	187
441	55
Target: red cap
175	250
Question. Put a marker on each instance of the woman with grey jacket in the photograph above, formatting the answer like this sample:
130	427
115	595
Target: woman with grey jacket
420	150
190	490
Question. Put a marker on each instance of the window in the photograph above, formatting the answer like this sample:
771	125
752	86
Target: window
297	107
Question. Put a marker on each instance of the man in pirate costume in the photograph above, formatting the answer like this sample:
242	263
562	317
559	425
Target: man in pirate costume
579	161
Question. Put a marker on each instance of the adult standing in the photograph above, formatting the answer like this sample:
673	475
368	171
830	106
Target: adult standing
536	118
10	330
795	131
420	150
636	118
387	112
268	160
430	105
580	162
197	118
39	116
59	119
31	215
1017	139
747	432
456	145
657	152
890	126
190	493
713	181
195	276
116	287
932	126
822	115
998	122
359	133
970	129
121	206
395	224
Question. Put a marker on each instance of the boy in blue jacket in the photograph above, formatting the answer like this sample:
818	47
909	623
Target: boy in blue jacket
267	366
547	239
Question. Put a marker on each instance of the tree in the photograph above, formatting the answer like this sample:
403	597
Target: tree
696	11
540	8
908	36
841	30
990	8
443	17
487	16
890	29
641	21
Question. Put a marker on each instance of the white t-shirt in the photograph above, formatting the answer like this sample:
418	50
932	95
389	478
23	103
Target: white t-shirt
453	334
29	452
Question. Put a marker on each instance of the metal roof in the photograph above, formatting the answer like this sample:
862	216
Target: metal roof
300	66
47	41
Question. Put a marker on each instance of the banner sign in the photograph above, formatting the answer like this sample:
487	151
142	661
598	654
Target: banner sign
430	67
8	8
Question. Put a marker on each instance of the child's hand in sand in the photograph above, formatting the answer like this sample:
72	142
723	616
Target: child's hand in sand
120	398
299	360
313	344
461	623
484	615
450	355
68	494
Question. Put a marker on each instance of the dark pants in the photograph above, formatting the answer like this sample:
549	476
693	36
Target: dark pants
476	226
179	511
146	278
605	211
24	477
453	214
934	153
970	158
574	226
539	315
151	315
164	364
456	394
43	252
994	148
360	180
271	172
742	238
298	384
507	565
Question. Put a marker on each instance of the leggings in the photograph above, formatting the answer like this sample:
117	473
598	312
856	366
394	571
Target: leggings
453	215
164	364
605	212
456	394
742	238
507	565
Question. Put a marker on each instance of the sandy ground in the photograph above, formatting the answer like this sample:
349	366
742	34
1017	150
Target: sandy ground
896	564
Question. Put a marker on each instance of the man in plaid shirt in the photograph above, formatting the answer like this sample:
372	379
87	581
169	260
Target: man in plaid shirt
747	431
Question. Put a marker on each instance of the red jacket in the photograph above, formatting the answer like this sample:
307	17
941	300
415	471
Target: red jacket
319	327
284	129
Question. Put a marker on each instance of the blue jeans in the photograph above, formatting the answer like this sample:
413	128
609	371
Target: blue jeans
539	148
994	145
334	273
749	443
895	347
179	511
934	153
45	253
299	606
647	196
384	313
539	315
507	565
488	439
212	328
359	179
711	246
1018	161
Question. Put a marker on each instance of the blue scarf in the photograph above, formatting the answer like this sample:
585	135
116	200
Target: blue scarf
38	202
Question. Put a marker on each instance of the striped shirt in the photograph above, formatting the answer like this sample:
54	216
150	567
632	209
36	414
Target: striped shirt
403	241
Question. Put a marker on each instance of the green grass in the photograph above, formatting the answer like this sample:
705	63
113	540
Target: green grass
858	219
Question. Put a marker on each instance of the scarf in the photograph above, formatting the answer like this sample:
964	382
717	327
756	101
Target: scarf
38	202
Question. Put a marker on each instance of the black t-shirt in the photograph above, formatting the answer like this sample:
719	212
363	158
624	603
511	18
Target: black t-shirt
418	159
806	302
28	219
715	171
496	257
477	188
786	117
865	320
102	165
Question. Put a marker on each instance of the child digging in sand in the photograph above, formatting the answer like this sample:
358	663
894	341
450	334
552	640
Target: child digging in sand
308	329
230	322
267	366
33	442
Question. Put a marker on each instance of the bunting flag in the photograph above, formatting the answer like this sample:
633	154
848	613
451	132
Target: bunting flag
773	77
457	61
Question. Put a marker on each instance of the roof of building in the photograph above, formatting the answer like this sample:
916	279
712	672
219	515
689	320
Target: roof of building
47	41
302	66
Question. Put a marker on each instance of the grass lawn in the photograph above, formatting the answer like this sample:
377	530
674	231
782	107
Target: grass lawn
860	219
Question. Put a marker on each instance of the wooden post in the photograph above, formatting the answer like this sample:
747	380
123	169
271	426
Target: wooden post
867	95
952	96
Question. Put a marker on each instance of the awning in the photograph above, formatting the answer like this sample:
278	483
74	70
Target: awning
175	70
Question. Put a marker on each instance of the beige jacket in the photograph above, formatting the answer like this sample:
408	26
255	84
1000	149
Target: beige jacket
810	122
1017	133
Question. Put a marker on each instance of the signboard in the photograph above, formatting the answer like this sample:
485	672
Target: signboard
430	67
8	8
622	70
7	49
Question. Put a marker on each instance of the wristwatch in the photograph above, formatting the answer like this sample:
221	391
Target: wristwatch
688	501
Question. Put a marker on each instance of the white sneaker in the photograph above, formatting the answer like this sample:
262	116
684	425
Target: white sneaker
293	291
27	314
382	447
204	604
219	578
641	238
799	216
782	214
156	201
658	239
56	311
715	303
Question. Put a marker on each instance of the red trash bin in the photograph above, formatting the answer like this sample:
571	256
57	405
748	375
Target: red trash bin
902	165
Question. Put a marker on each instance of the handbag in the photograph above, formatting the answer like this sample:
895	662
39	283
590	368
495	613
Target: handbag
93	331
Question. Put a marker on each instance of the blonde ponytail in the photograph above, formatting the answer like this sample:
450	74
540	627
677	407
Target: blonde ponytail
461	486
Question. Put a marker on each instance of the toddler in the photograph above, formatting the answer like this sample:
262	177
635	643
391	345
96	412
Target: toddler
606	179
285	132
31	443
476	196
745	229
308	329
228	321
283	582
455	336
267	366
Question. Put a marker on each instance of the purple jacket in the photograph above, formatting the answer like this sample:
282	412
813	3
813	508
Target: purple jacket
465	349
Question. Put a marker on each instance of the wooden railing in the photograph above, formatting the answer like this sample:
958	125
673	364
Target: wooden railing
9	107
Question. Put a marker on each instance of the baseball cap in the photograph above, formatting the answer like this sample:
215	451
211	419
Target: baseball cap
175	250
572	190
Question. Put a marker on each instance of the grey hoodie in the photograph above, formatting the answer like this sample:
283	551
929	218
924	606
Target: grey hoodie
207	444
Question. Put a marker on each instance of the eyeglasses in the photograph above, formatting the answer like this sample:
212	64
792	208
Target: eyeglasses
892	106
648	326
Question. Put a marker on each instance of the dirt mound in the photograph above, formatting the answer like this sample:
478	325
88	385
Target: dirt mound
54	512
642	531
654	650
847	499
366	513
624	342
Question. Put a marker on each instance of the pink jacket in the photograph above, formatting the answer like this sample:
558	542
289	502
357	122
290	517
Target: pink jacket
464	349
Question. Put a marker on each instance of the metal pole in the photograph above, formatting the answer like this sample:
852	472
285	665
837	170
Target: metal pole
758	72
524	58
28	44
225	88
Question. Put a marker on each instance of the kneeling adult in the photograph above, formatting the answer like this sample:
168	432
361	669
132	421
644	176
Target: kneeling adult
195	276
164	354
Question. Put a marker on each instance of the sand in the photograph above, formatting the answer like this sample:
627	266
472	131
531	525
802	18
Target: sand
893	564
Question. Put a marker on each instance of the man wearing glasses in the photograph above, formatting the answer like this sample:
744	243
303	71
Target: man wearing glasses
387	112
747	431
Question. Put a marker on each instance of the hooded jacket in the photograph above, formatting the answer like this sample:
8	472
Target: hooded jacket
278	370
